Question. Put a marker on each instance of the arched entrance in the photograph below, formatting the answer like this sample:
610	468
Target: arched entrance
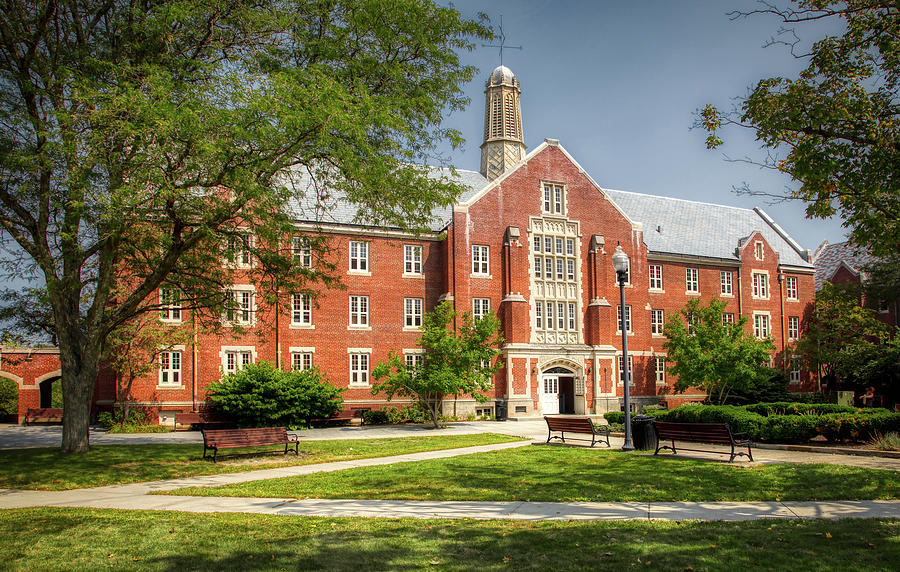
558	391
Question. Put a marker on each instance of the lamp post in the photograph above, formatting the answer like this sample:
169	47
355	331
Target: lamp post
620	263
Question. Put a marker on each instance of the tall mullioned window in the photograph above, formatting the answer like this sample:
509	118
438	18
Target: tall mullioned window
556	292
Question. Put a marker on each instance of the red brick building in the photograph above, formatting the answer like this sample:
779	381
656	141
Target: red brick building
531	240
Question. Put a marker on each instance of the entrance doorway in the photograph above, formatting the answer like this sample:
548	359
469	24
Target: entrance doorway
558	392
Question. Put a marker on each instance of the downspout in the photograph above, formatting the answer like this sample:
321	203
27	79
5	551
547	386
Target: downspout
194	362
784	357
740	292
277	330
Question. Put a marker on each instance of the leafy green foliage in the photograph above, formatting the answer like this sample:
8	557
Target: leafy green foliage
262	396
9	397
715	357
836	128
455	362
140	141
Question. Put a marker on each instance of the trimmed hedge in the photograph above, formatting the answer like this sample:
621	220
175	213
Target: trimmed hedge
790	408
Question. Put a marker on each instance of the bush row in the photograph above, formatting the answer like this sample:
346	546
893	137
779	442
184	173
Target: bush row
852	425
793	408
393	415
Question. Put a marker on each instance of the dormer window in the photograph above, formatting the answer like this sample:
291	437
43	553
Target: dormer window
758	250
554	199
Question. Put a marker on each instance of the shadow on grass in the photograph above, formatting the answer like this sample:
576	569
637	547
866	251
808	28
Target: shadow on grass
87	539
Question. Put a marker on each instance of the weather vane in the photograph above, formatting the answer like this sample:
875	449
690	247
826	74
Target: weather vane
502	44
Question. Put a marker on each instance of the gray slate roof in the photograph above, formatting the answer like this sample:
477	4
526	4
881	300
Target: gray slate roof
830	256
319	204
681	227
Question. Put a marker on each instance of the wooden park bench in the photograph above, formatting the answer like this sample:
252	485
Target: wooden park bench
43	415
200	420
579	425
699	433
215	439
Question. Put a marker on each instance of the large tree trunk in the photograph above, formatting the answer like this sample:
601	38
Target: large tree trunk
80	366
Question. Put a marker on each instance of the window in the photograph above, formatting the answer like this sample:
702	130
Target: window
412	259
414	361
692	280
630	370
359	311
412	313
627	318
359	369
539	315
301	360
559	246
727	285
170	300
727	318
301	310
302	251
791	287
559	268
537	243
758	251
657	322
359	256
793	327
537	267
554	199
480	260
656	277
238	250
561	315
239	306
234	360
549	306
480	307
571	316
170	368
570	270
761	325
570	247
660	370
794	373
760	285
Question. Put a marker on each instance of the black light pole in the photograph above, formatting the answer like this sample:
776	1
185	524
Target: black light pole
620	263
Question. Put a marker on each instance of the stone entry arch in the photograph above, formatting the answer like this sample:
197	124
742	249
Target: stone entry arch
558	383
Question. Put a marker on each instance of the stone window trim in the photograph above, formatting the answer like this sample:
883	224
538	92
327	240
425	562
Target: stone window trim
480	307
656	278
793	328
791	287
170	306
239	249
301	312
171	367
762	324
302	357
628	324
659	361
359	359
657	322
241	356
760	284
759	250
621	380
412	313
727	283
481	260
553	195
412	261
244	314
359	312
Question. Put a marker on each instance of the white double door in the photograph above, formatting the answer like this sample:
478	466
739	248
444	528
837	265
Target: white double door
550	395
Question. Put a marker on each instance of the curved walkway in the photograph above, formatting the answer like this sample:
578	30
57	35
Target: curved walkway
136	497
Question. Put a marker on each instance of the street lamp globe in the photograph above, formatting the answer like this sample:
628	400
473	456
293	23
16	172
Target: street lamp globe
620	260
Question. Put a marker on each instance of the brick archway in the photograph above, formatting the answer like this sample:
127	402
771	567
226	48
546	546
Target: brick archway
29	367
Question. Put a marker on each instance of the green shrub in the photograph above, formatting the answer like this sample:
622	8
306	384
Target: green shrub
614	416
376	417
739	419
795	408
262	396
9	397
861	426
790	428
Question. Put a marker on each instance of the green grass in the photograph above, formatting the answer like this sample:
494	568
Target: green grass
49	469
90	539
550	473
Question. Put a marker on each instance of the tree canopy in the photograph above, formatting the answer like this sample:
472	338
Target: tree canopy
140	139
714	356
453	362
835	129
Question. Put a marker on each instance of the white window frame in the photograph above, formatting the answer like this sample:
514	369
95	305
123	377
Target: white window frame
359	311
239	250
727	318
302	251
245	313
481	260
759	251
692	280
412	260
302	360
359	366
171	362
793	328
627	318
760	281
412	313
235	358
660	366
414	358
480	307
727	282
630	370
762	325
358	253
791	286
554	198
794	377
170	302
539	315
656	277
657	322
301	310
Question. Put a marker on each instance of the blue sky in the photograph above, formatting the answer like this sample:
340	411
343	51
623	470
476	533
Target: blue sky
617	83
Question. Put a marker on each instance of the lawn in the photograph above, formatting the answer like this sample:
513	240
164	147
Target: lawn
50	469
552	473
88	539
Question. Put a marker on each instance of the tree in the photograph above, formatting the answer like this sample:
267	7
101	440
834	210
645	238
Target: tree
460	362
260	395
847	342
835	129
144	140
714	356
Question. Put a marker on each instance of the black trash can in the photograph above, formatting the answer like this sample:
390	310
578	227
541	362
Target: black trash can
642	434
500	410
